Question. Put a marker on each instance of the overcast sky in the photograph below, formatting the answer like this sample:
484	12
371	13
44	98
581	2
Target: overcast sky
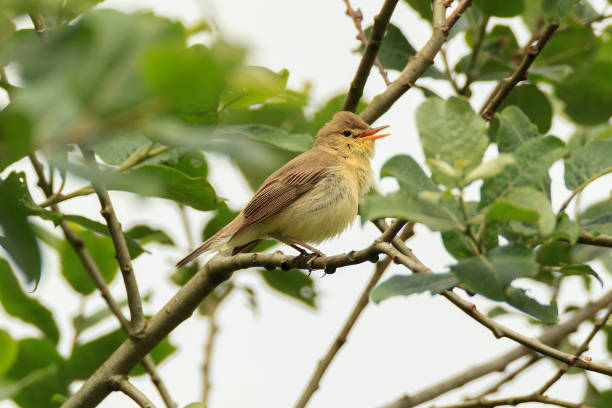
265	360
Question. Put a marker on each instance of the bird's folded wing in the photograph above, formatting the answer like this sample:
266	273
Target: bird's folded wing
280	191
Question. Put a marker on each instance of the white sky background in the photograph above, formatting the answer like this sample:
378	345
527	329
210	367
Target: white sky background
265	360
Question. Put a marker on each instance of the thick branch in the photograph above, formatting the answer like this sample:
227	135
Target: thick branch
506	85
369	55
121	383
121	250
362	302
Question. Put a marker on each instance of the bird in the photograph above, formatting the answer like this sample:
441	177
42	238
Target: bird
313	197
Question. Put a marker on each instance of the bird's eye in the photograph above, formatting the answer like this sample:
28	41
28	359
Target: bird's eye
347	133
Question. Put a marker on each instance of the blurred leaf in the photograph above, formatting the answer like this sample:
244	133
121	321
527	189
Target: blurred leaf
188	79
554	253
553	73
519	299
501	8
333	105
196	405
252	85
39	375
573	46
84	322
596	210
18	240
458	244
117	148
292	283
395	51
533	103
193	163
17	304
73	8
220	220
86	358
580	270
15	131
8	352
527	205
423	7
409	174
514	129
489	168
145	234
587	93
451	131
410	284
557	9
604	400
496	311
101	250
601	225
273	136
566	229
591	394
182	275
587	162
491	275
533	159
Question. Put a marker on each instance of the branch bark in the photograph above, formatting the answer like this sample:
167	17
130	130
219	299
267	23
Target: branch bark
121	383
369	55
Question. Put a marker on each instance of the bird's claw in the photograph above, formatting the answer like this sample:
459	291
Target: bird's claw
307	258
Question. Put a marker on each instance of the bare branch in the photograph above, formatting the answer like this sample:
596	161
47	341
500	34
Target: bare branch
599	240
513	401
121	383
369	55
506	85
507	378
362	302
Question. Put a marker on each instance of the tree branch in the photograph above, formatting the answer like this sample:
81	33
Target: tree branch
369	55
507	378
552	336
121	383
362	302
582	186
121	250
416	66
505	86
600	240
513	401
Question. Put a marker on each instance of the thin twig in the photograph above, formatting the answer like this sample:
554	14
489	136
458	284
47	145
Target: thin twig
469	75
186	225
121	249
505	86
583	347
513	401
600	240
371	49
507	378
583	186
362	302
121	383
94	272
448	71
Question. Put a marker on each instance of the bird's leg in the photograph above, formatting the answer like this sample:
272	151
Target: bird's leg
246	247
299	246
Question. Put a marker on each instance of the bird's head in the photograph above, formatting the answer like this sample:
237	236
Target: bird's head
348	134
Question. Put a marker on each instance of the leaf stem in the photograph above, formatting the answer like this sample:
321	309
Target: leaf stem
583	186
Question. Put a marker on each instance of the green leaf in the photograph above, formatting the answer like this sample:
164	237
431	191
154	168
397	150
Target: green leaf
533	160
527	205
556	10
17	304
182	275
8	351
600	225
580	270
491	275
490	168
220	220
145	234
451	131
587	162
38	376
117	148
193	163
410	284
587	93
501	8
86	358
604	400
534	103
515	128
496	311
19	241
566	229
572	46
545	313
409	174
292	283
438	217
272	136
15	128
101	250
596	210
73	8
423	7
554	253
252	85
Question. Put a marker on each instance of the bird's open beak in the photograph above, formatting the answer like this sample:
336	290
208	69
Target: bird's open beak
372	133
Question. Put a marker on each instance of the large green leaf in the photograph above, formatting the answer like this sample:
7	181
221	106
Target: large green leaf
525	303
8	351
292	283
145	234
409	174
587	162
501	8
39	374
15	129
452	132
252	85
101	250
86	358
18	239
572	46
17	304
533	160
492	274
423	7
534	103
410	284
524	204
515	128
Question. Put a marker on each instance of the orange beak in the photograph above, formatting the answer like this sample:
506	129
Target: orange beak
372	133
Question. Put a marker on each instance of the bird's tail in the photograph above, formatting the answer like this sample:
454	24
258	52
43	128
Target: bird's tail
214	243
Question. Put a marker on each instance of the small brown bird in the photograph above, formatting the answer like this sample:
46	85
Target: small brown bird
311	198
